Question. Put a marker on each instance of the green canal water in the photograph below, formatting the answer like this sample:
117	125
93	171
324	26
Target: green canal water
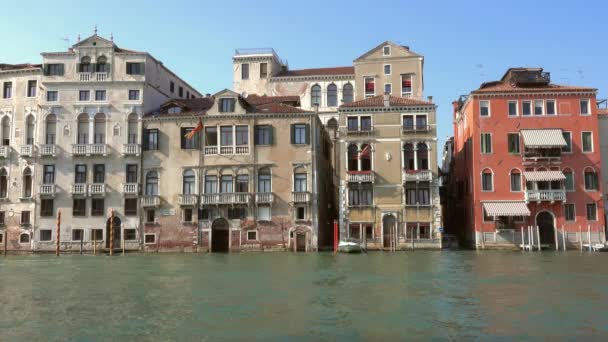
305	297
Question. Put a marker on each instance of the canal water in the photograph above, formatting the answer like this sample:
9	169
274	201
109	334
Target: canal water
305	297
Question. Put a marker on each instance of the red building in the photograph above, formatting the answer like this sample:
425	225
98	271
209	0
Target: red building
526	153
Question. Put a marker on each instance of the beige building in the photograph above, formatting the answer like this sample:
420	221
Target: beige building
256	177
20	85
88	141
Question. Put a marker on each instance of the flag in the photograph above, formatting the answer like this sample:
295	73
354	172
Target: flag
198	128
365	152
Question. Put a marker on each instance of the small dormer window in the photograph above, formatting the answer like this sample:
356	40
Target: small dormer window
386	51
174	110
226	105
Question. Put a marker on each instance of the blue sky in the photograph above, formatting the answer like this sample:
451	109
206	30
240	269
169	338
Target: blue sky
464	42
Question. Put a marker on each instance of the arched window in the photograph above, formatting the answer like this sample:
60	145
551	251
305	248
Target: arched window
242	183
29	130
332	95
353	161
6	131
365	157
408	157
264	180
24	238
347	93
100	128
132	128
315	95
85	64
515	180
591	179
27	183
152	183
83	129
3	183
50	129
487	180
189	182
101	65
332	126
422	155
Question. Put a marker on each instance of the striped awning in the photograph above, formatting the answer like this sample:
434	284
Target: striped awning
544	176
546	138
506	208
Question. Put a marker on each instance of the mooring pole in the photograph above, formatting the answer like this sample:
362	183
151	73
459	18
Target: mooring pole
564	236
589	236
580	237
94	244
122	236
111	232
81	242
538	237
58	233
523	243
556	238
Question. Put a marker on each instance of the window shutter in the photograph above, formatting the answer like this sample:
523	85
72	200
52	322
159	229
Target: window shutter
145	142
61	69
92	67
272	135
307	134
182	138
45	70
142	68
78	67
107	68
256	130
293	134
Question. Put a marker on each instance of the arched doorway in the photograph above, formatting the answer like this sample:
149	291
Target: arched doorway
117	227
388	230
220	236
546	229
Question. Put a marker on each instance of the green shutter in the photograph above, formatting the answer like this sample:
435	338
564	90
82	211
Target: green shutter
61	69
45	69
307	132
272	138
293	134
142	68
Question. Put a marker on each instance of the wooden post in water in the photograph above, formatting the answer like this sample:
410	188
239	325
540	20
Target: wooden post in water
530	238
412	236
564	236
523	243
589	236
4	239
81	242
94	244
58	233
538	237
122	235
111	232
580	237
556	239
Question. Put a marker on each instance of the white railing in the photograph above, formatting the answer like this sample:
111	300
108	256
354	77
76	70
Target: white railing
131	149
130	188
361	176
48	150
85	77
264	197
27	150
97	189
226	150
79	149
359	131
210	149
545	195
98	149
150	201
47	189
417	175
101	76
4	151
187	199
301	196
242	150
225	198
79	189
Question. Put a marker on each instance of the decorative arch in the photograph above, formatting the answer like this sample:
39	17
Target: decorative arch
82	131
27	182
409	159
3	183
332	95
189	182
422	156
315	95
487	180
347	93
24	238
99	128
352	152
515	179
265	179
5	130
30	122
152	181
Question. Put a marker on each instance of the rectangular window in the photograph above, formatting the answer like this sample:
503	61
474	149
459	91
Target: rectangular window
263	213
252	235
406	85
187	215
135	68
79	207
242	135
237	213
180	91
587	141
408	122
486	143
484	108
299	134
369	86
513	143
99	173
49	174
591	212
386	51
515	182
172	86
263	135
591	181
84	95
300	182
130	234
8	90
226	184
133	95
568	138
360	196
210	136
2	218
100	95
46	235
486	182
569	212
187	94
512	108
569	182
210	184
387	88
149	238
226	136
31	88
150	216
80	174
550	107
130	206
97	206
300	213
188	144
526	107
244	71
51	96
352	123
151	139
263	70
242	183
387	69
366	123
538	107
131	173
53	69
96	235
226	105
585	107
46	207
77	234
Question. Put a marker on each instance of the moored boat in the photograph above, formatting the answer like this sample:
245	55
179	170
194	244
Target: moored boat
349	247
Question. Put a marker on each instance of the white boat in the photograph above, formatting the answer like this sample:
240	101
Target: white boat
349	247
596	247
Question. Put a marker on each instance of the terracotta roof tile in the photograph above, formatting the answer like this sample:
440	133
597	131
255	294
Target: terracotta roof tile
602	111
256	100
507	87
196	106
279	108
345	70
378	101
4	66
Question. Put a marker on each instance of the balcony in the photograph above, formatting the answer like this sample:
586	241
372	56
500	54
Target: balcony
210	150
79	150
131	149
225	198
359	131
361	176
264	197
101	76
546	196
226	149
98	149
130	189
187	200
150	201
47	190
409	129
27	151
89	149
84	77
417	176
97	189
48	150
79	189
4	150
300	196
242	149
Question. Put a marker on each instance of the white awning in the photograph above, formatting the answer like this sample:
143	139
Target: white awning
543	138
544	176
506	208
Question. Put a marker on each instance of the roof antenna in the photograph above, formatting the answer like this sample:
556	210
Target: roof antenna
78	38
95	30
111	36
66	40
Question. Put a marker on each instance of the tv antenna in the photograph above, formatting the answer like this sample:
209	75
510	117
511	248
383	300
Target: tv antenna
66	39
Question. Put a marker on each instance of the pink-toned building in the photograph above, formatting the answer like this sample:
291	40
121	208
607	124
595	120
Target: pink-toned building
526	153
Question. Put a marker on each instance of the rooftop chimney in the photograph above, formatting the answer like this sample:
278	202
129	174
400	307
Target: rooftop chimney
207	95
387	100
430	98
